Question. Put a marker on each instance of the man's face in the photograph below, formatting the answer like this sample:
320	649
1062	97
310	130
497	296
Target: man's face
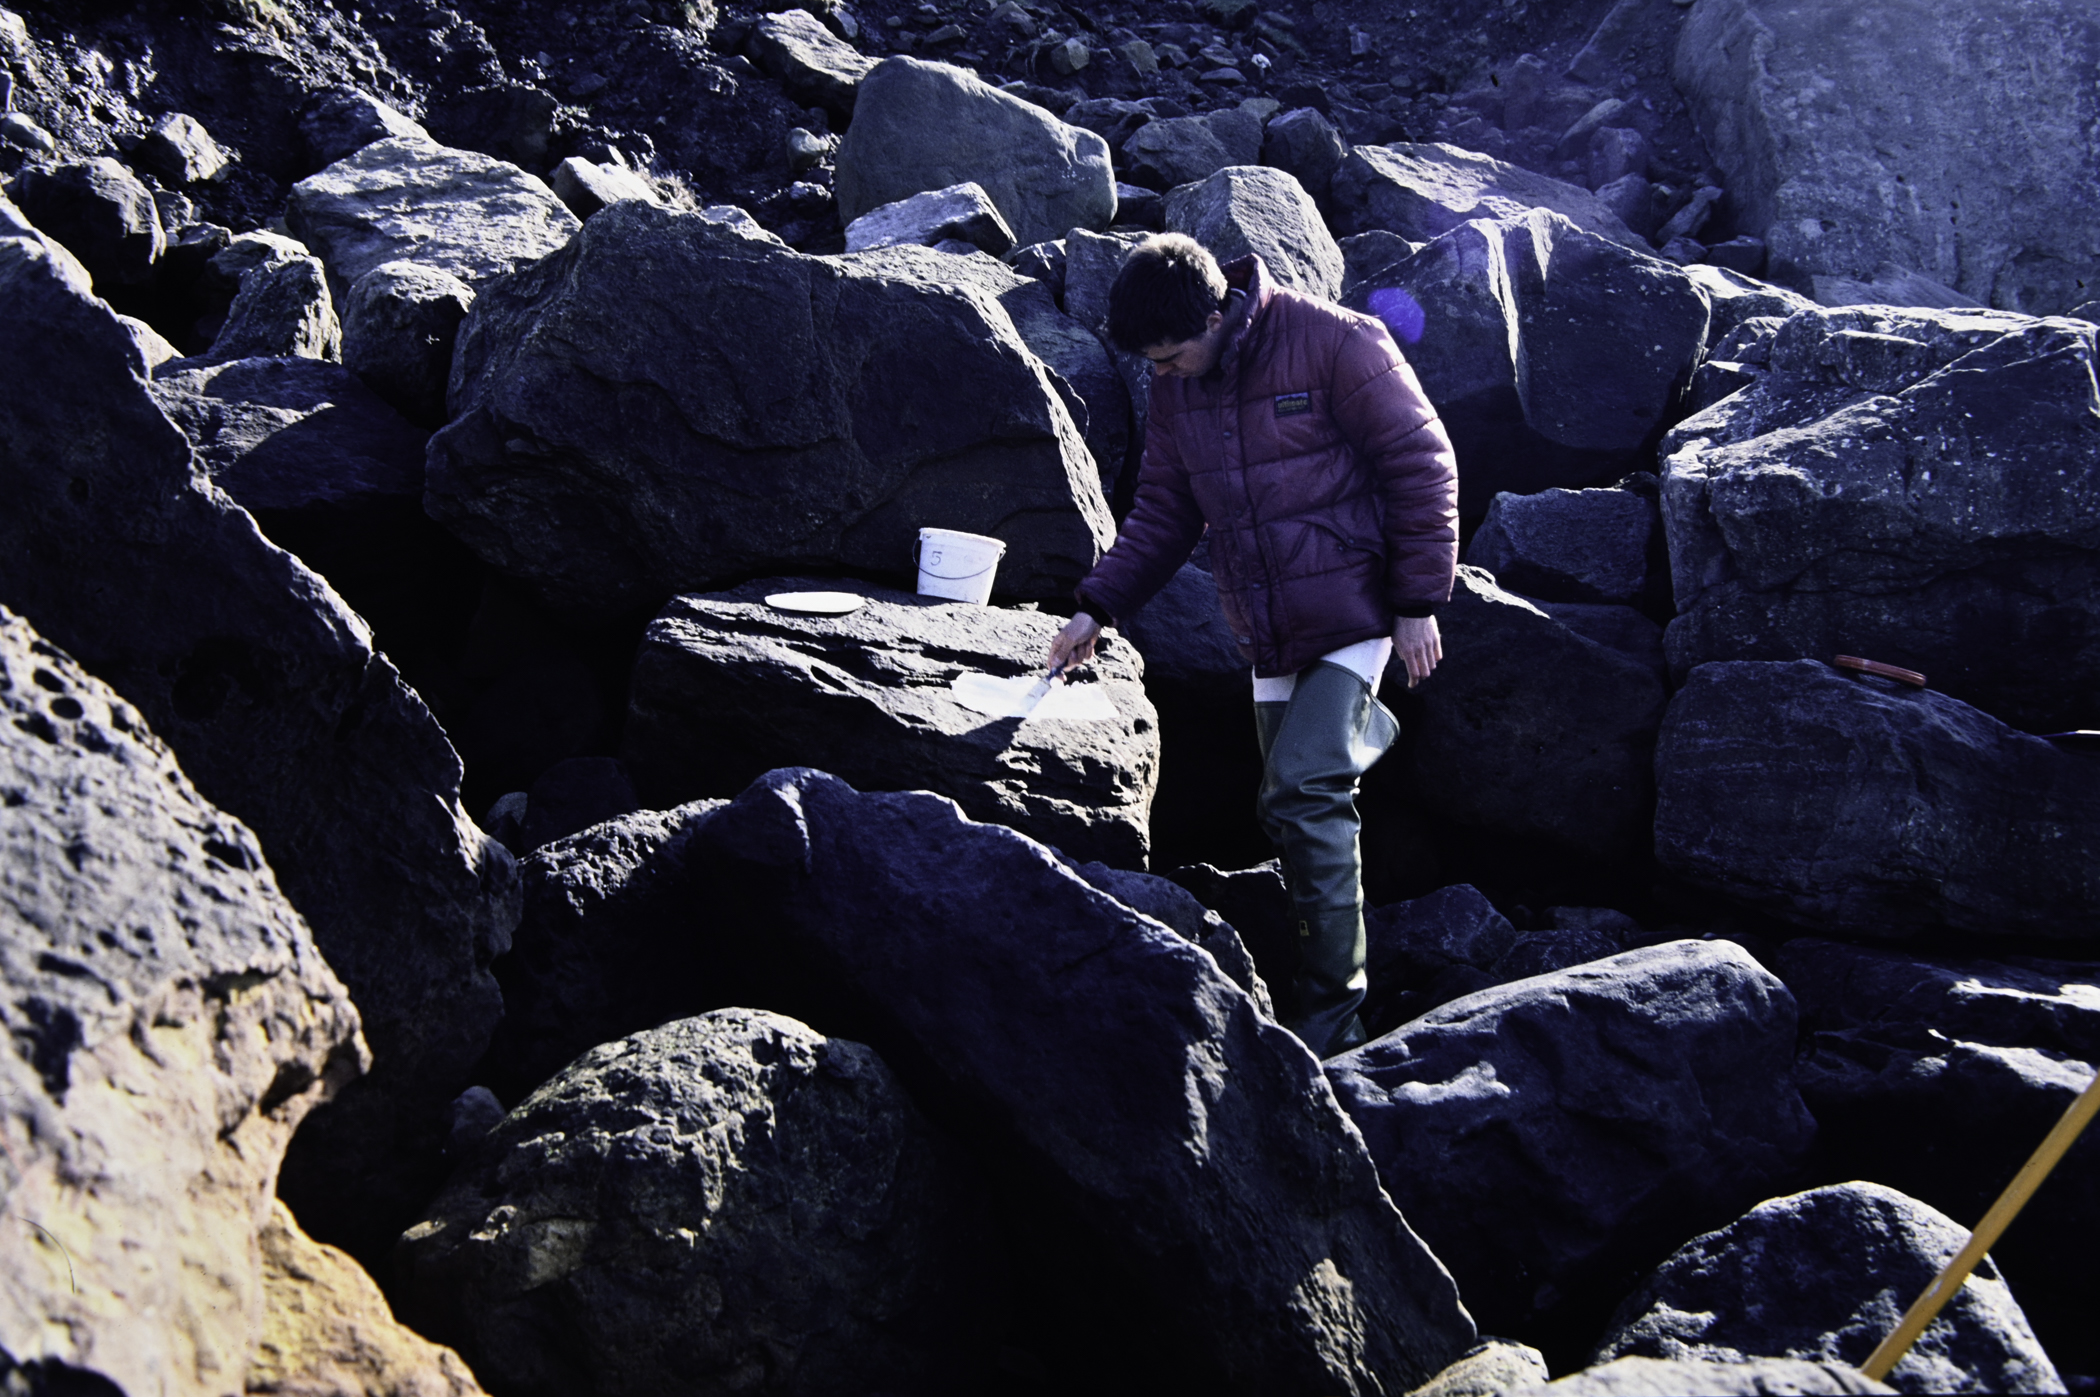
1189	358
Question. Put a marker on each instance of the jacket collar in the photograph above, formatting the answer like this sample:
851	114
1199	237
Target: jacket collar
1248	276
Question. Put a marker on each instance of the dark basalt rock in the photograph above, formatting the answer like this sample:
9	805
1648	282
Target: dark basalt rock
1247	1214
1548	1134
1824	1275
1939	1076
1913	486
867	695
1866	806
170	1022
615	405
726	1204
269	691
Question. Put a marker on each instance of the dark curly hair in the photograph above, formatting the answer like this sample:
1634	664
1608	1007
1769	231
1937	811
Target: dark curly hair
1164	294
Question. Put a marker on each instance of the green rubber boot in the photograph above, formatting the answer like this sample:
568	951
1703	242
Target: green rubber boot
1315	750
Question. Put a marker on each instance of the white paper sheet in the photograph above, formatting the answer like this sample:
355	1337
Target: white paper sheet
1008	698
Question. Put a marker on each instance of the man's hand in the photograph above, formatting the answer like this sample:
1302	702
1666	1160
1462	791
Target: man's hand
1074	645
1418	646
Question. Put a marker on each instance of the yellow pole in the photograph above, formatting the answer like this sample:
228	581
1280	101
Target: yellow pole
1948	1281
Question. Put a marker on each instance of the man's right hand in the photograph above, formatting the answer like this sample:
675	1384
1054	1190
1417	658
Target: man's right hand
1074	645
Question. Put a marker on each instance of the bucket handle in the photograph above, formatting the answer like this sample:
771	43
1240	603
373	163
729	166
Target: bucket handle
918	543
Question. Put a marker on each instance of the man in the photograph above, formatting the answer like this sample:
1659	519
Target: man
1296	432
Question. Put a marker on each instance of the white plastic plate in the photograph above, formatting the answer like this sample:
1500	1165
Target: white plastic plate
817	603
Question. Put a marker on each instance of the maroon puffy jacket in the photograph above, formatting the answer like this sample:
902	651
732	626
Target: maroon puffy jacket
1326	479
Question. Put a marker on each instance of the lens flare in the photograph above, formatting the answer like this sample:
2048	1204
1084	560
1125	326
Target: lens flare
1402	313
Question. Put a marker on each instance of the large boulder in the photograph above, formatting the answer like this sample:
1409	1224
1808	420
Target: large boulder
269	691
328	1332
1530	727
726	1204
1554	356
406	198
673	401
1953	140
1423	191
1194	1138
1823	1276
171	1021
400	323
1868	807
919	126
816	68
1591	546
1252	208
867	697
1939	1077
340	121
102	214
291	433
962	213
1912	486
1180	150
1304	144
283	308
1547	1134
1187	642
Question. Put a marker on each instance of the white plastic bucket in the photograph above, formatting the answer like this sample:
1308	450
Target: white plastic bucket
957	566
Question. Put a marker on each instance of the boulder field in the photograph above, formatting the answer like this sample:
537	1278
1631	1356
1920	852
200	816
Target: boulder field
508	885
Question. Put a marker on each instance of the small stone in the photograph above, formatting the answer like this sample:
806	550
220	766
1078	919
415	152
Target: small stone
1226	76
806	149
1684	251
181	151
588	84
809	198
946	34
19	130
1230	14
1139	55
1069	57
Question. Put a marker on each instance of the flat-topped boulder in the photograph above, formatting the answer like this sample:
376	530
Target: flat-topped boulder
170	1022
675	401
409	198
868	696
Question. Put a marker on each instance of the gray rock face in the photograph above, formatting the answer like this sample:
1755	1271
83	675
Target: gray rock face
102	214
1251	208
407	199
1939	1077
1953	140
1916	487
290	433
616	406
586	186
1755	1377
1554	356
1542	1132
283	310
1183	149
400	323
1304	145
1193	1134
1872	808
1428	951
180	150
340	121
961	212
171	1022
1530	727
1594	546
269	691
1175	908
816	68
867	696
1823	1275
919	126
613	940
726	1204
1423	191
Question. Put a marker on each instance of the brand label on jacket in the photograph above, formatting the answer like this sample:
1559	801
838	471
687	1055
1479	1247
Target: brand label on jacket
1292	404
